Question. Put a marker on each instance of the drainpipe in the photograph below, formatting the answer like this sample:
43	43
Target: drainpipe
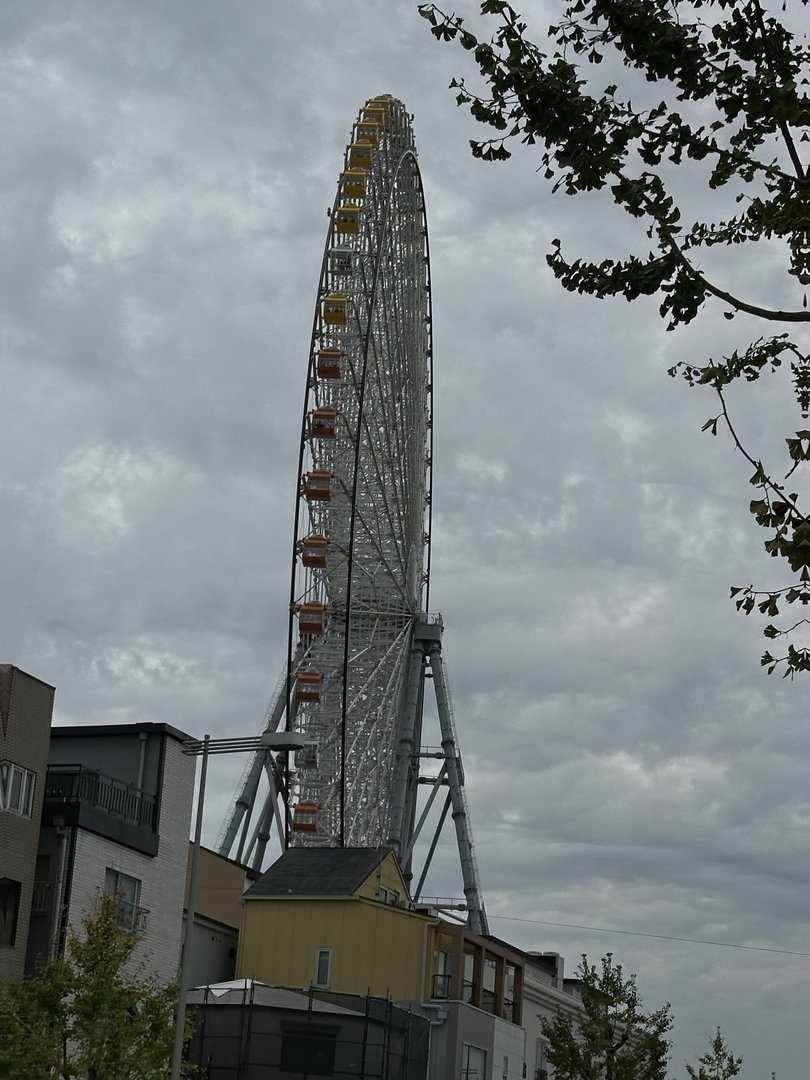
141	760
441	1013
59	891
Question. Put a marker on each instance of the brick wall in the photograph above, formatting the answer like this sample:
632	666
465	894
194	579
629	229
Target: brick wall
25	724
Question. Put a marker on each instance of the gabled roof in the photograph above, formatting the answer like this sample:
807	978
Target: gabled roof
318	872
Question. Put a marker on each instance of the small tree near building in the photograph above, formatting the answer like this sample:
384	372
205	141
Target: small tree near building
718	1064
610	1037
87	1016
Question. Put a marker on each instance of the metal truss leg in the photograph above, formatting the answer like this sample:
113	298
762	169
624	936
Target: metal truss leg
476	915
246	796
426	653
406	769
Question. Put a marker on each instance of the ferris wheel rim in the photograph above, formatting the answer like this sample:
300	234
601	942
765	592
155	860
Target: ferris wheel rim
373	298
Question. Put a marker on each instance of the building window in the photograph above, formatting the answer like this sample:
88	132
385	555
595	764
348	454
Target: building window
489	994
16	789
388	896
131	916
473	1063
309	1050
9	910
540	1068
468	988
323	968
441	977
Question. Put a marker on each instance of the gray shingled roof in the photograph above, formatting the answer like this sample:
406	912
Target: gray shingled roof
318	872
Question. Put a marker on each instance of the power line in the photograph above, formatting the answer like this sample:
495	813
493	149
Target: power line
639	933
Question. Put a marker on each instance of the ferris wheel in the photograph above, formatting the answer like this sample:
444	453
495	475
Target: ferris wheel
343	759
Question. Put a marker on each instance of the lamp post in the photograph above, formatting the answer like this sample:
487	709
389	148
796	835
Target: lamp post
278	741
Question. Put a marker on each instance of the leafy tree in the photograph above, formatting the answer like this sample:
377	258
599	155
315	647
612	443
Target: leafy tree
610	1037
86	1015
718	1064
709	160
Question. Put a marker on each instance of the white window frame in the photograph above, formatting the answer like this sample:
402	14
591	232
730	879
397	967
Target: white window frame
130	914
322	956
469	1070
20	802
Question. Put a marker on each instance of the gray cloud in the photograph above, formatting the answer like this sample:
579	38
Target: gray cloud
629	766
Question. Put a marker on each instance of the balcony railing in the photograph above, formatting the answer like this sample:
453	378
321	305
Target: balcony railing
441	987
489	1000
74	783
468	992
132	918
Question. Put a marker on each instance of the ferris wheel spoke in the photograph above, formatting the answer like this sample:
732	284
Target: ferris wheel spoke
395	648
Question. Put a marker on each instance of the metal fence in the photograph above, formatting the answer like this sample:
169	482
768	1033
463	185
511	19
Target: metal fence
74	783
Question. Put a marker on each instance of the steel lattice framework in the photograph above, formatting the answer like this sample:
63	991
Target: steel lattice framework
368	429
342	750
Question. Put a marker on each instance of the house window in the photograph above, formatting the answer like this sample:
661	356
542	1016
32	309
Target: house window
388	896
473	1063
9	910
16	789
131	916
309	1050
323	968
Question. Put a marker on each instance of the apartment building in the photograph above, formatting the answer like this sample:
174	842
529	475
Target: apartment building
116	812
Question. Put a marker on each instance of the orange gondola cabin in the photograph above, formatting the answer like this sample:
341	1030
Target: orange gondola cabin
305	817
329	363
313	551
317	486
311	618
308	686
323	422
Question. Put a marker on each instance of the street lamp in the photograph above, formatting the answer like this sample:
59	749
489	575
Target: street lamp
270	740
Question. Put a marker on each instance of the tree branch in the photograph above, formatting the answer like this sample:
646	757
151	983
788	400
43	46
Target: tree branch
801	173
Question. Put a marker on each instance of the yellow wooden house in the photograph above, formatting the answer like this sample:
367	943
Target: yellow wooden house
338	919
342	920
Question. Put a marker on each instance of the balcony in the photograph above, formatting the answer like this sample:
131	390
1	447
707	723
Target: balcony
74	783
78	796
441	987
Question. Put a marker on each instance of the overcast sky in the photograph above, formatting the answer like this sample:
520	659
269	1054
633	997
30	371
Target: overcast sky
629	765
